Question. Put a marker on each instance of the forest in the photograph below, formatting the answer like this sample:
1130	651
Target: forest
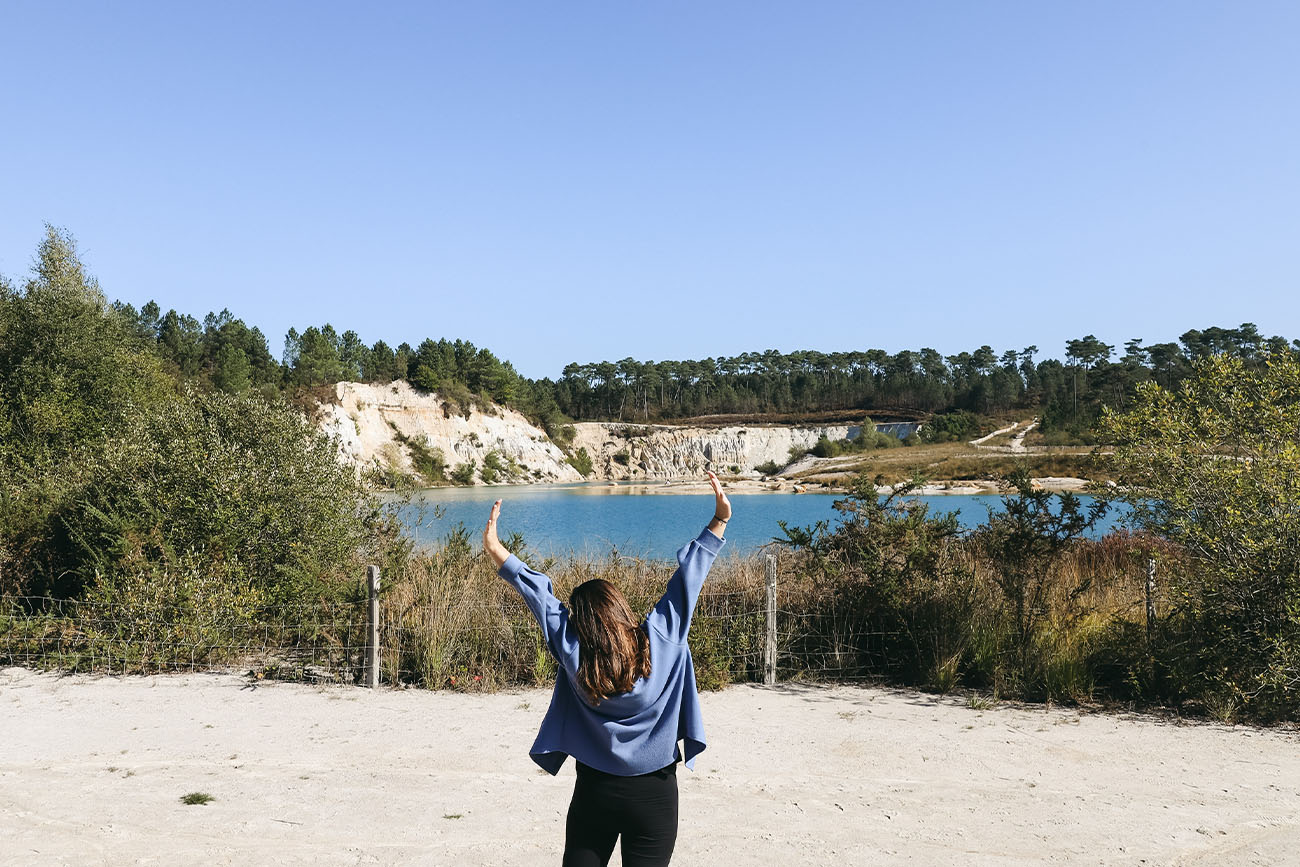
224	353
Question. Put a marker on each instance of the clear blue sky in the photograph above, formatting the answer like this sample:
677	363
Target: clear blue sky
578	181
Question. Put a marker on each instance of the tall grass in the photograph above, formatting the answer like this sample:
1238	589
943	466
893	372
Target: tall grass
448	622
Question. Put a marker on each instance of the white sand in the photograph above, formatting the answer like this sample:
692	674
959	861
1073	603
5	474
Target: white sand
91	770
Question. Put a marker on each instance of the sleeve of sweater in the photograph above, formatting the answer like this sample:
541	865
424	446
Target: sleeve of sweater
552	616
671	616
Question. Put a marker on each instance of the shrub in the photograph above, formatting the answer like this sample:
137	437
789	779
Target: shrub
889	569
1023	543
463	474
493	469
457	398
1213	467
561	434
249	484
825	448
182	609
581	461
427	460
768	469
950	427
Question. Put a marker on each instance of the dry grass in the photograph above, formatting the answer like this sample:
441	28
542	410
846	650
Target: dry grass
959	462
451	623
448	622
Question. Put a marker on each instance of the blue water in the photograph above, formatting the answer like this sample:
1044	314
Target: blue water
599	518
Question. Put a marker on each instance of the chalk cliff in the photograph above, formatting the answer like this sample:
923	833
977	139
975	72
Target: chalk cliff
375	425
379	426
630	451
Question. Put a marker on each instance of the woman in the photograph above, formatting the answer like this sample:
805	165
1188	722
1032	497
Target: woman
624	696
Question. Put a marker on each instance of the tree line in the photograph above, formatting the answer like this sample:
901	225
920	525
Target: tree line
223	353
1068	394
226	354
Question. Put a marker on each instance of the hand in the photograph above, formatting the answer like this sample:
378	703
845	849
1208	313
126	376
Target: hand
721	507
491	543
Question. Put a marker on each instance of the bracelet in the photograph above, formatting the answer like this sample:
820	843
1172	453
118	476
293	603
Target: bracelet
719	520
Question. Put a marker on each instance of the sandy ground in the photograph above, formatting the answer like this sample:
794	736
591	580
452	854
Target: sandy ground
931	489
92	769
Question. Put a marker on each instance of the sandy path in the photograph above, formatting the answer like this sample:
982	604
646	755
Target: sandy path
91	770
996	433
1018	441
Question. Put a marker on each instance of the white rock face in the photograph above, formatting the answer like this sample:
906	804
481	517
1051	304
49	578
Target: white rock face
667	452
367	419
364	418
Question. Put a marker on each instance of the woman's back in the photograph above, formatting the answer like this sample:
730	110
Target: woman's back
624	697
634	732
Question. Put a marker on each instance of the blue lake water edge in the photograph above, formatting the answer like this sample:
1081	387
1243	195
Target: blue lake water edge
597	518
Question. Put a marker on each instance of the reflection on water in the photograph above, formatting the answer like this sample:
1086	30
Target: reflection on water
637	521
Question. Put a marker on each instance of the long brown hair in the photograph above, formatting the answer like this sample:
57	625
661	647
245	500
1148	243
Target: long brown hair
613	649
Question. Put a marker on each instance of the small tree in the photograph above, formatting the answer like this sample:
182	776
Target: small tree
493	468
1023	543
463	474
581	461
1214	466
893	570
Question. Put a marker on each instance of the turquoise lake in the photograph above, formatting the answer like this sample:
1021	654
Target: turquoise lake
599	518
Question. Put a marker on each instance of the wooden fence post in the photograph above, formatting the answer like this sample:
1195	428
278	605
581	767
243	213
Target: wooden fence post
769	647
1151	598
372	629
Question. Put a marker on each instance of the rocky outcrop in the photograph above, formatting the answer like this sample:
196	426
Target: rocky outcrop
382	427
629	451
376	426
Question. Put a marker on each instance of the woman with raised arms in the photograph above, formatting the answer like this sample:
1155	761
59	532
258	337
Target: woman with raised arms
624	697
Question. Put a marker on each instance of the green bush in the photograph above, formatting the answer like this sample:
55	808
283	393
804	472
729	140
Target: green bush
493	469
581	461
825	448
889	569
950	427
109	470
1213	467
249	484
561	434
768	469
427	460
1023	543
463	474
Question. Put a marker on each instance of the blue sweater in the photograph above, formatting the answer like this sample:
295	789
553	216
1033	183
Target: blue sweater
636	732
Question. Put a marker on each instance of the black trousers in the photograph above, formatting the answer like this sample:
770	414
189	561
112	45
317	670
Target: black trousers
642	810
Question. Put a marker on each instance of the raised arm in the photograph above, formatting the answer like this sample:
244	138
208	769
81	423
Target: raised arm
672	614
537	593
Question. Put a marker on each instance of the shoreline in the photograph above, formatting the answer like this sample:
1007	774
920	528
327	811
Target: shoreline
952	487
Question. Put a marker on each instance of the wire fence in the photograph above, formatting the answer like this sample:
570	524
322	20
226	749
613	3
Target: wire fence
455	626
323	642
739	634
